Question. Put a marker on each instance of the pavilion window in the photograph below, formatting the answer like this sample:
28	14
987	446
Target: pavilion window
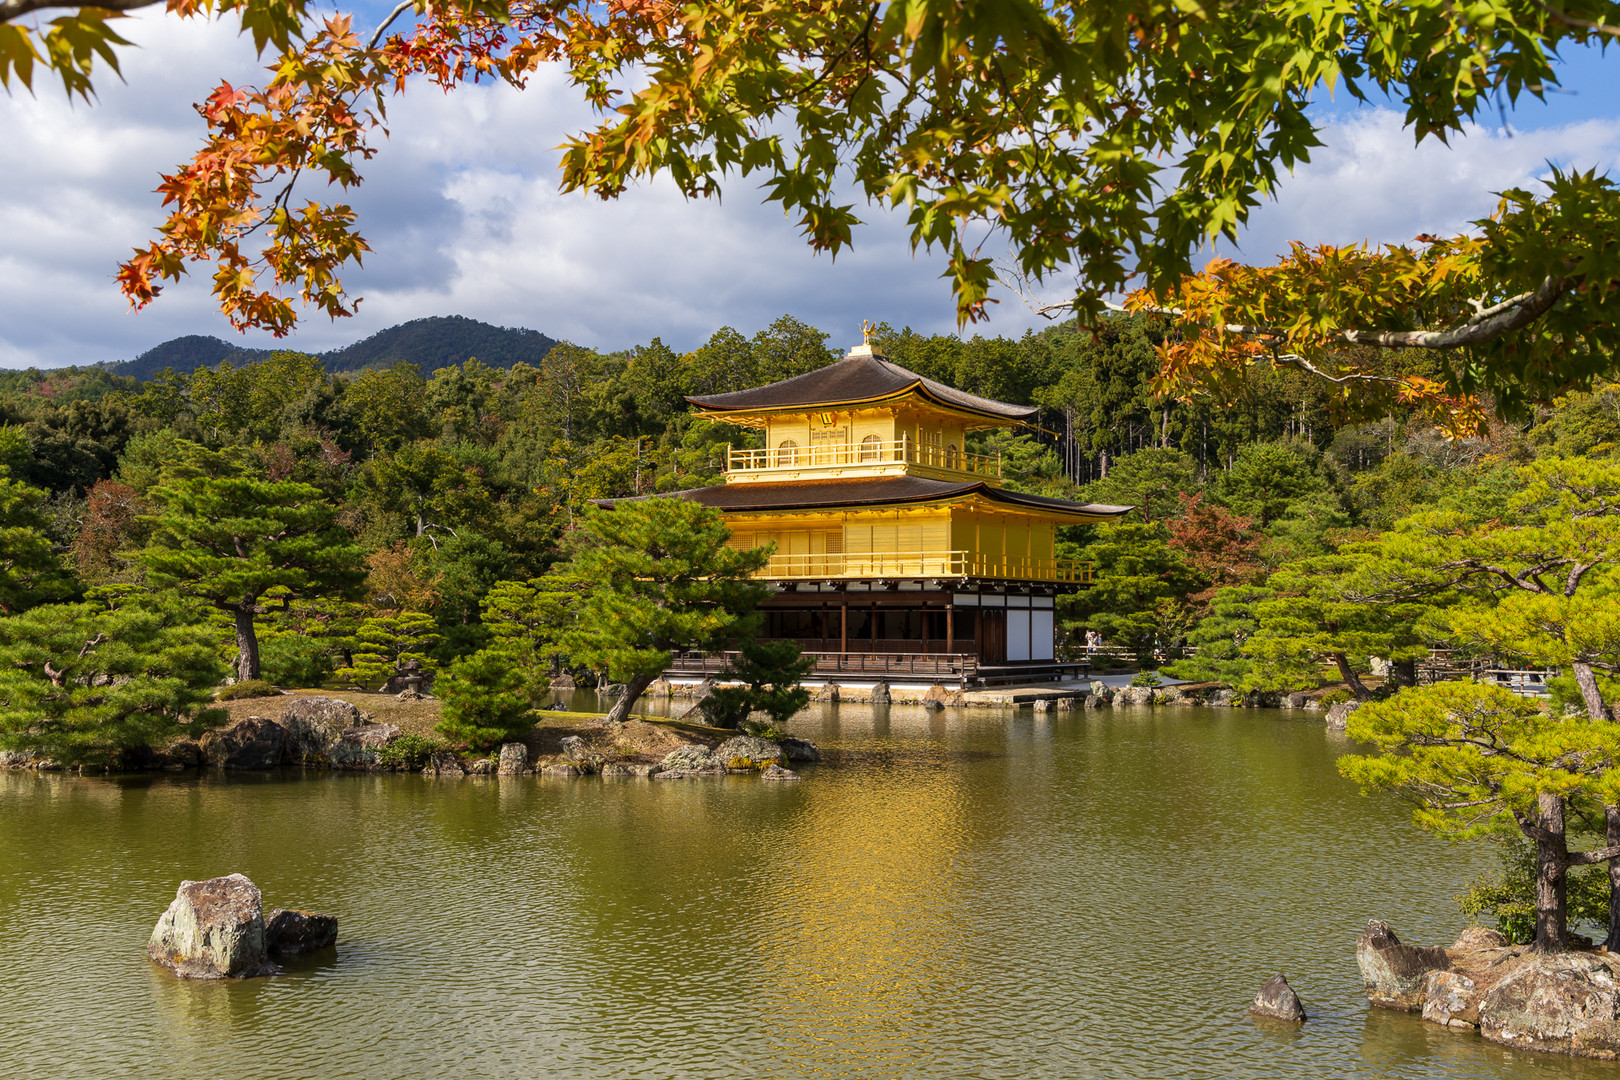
953	457
871	448
787	452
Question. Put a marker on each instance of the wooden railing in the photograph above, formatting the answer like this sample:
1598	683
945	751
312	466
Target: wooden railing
958	666
933	564
789	459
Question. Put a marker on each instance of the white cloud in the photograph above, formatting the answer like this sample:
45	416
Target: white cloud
1370	183
462	212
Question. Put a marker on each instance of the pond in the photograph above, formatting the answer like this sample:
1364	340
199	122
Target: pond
951	895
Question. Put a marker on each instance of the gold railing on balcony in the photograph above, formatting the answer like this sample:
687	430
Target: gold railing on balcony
928	564
876	452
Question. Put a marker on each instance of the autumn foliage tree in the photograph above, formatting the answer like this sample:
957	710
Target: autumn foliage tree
1111	141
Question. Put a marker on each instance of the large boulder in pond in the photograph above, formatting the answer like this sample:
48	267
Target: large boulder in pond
1277	1001
689	760
880	693
581	753
800	750
313	727
290	932
749	752
514	760
214	929
1392	972
1339	715
251	743
1565	1003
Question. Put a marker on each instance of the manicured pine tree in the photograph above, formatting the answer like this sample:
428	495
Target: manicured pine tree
88	683
486	700
384	642
653	576
241	544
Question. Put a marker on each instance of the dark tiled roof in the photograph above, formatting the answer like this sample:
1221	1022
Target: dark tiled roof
878	490
853	379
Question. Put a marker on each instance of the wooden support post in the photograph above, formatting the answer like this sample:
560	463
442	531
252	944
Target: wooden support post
950	627
843	626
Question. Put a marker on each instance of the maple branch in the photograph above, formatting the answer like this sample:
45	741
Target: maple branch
11	9
1486	324
1570	20
400	9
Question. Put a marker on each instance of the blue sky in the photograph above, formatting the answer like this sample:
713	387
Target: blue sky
463	215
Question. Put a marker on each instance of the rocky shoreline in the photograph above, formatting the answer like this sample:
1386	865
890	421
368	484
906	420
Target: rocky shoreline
333	733
330	733
1559	1003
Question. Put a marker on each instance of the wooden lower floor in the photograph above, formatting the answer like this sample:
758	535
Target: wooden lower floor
975	635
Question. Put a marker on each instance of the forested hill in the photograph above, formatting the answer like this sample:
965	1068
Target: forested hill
431	343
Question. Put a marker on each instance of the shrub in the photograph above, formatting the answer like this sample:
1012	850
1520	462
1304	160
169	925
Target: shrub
1146	678
247	688
770	674
1335	697
410	752
1510	894
382	644
294	660
486	701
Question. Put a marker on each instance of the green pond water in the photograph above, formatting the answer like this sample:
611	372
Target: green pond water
960	895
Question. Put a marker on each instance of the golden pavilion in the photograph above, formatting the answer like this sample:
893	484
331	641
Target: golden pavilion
897	552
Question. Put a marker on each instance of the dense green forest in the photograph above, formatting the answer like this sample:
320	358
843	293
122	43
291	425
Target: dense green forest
401	500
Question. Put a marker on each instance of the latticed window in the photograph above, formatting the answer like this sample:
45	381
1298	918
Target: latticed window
787	453
871	448
953	457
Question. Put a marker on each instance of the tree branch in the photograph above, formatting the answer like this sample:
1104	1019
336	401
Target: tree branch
1570	20
400	9
1486	324
11	9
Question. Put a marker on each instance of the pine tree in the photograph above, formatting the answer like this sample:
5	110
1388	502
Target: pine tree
91	682
240	543
655	575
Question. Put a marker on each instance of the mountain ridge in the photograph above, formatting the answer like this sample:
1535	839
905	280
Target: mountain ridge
432	342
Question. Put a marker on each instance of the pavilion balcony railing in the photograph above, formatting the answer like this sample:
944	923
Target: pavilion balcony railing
960	666
925	564
787	459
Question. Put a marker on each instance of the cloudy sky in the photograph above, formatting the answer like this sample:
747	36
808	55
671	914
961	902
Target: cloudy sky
463	215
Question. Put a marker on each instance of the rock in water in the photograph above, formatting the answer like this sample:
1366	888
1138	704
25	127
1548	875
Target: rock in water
776	772
629	768
1393	973
514	759
800	750
312	727
748	752
444	763
251	743
580	753
935	697
691	758
213	930
880	694
1277	1001
1566	1003
289	932
1339	715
